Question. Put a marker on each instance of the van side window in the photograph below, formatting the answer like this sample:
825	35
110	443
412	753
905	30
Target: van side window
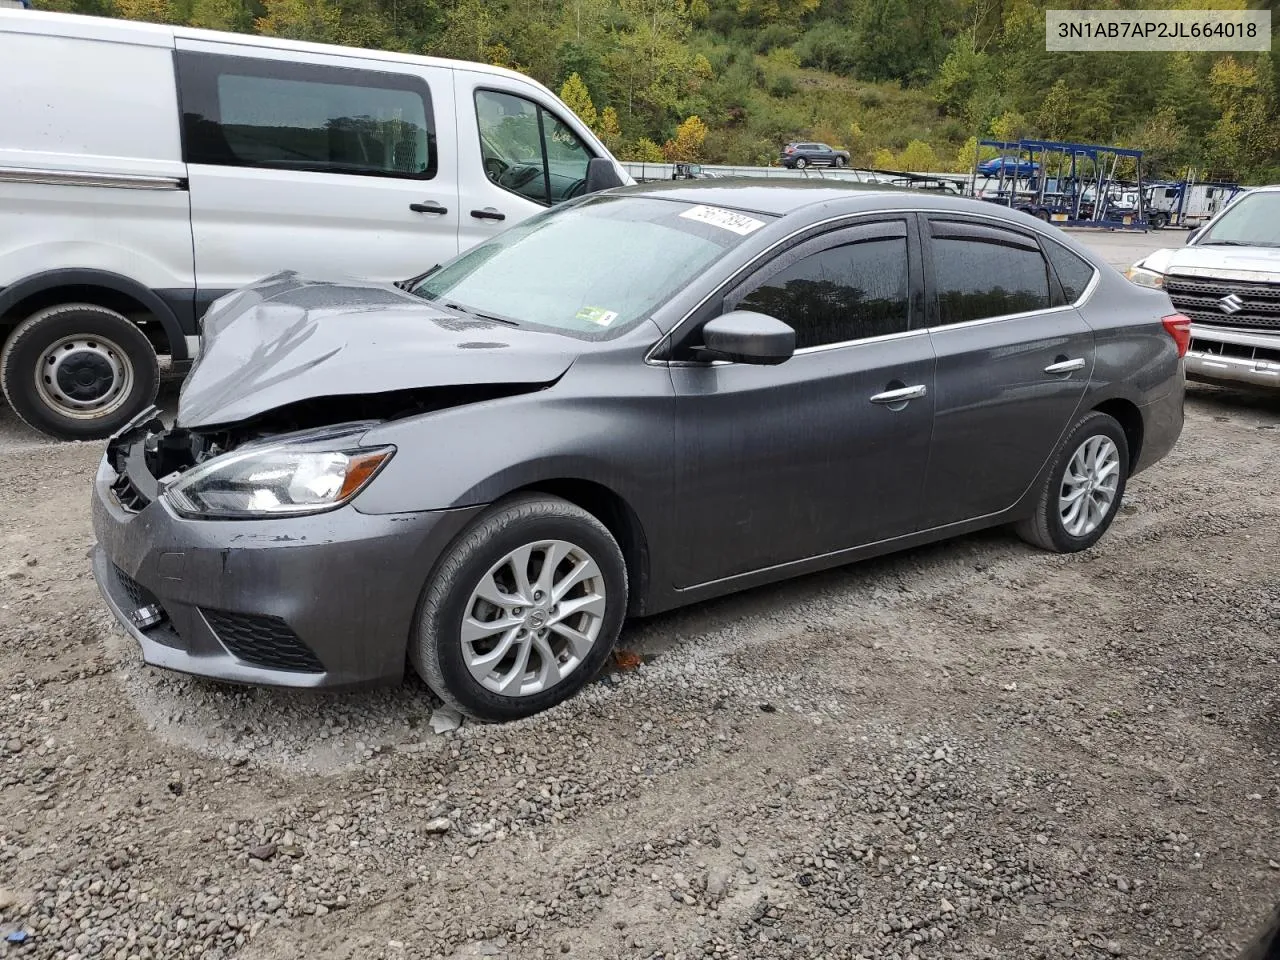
529	151
245	112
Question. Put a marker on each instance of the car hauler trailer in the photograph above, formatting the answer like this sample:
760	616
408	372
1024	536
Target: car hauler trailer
1075	184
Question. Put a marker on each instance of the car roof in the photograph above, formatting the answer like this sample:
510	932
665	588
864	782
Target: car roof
784	197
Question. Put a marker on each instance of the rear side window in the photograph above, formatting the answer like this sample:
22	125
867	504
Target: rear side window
1074	273
245	112
981	272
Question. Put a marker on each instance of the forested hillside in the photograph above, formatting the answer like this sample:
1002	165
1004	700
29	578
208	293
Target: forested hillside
901	83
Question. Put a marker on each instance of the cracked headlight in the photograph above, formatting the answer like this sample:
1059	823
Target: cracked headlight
277	479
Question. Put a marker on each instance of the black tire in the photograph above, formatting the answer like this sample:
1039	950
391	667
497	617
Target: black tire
1045	527
28	344
435	650
1157	221
801	163
841	161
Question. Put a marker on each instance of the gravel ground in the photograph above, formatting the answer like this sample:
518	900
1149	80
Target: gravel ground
971	750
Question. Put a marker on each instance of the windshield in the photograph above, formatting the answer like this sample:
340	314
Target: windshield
592	268
1253	220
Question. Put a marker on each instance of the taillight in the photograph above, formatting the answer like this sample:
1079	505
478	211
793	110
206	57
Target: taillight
1178	326
790	150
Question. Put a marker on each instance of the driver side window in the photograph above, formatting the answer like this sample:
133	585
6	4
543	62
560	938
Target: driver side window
529	151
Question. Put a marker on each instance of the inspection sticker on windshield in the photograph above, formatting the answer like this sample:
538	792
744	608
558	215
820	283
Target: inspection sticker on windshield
597	315
737	223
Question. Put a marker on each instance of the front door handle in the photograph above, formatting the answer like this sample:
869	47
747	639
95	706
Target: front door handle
1065	366
429	207
488	213
901	395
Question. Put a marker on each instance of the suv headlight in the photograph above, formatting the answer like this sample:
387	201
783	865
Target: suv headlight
1144	277
277	479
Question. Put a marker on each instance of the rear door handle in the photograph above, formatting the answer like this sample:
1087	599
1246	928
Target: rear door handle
488	213
901	395
429	207
1065	366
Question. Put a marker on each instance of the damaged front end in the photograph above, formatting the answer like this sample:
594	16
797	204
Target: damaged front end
149	457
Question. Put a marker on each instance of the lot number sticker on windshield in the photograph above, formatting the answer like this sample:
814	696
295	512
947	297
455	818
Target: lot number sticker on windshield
737	223
597	315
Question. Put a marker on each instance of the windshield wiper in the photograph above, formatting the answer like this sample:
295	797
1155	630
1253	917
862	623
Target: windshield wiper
412	282
1228	243
471	311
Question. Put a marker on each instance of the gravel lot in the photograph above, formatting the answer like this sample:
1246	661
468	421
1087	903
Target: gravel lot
971	750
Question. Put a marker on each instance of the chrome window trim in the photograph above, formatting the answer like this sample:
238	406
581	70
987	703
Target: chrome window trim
887	213
74	178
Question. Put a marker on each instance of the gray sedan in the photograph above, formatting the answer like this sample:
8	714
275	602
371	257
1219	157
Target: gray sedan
638	400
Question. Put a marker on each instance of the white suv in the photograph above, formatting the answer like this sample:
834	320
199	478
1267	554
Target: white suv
147	170
1227	280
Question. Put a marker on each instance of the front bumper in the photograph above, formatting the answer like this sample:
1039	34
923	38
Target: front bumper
322	601
1233	357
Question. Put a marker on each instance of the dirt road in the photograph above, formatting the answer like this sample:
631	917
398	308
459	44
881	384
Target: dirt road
972	750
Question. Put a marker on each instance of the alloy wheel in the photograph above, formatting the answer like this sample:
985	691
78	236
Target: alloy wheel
1089	486
533	618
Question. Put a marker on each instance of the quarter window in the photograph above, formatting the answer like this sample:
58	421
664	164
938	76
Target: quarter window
1074	273
848	292
245	112
982	273
529	151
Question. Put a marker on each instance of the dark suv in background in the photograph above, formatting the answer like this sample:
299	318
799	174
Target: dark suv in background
801	155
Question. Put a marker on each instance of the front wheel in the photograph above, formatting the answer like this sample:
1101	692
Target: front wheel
78	371
521	611
841	161
1082	491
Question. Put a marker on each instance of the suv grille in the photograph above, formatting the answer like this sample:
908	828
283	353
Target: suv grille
1198	298
263	641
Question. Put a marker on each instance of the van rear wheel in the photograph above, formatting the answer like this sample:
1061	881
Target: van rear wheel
77	371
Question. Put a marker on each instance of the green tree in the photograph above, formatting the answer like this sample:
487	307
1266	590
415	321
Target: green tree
220	15
316	20
609	130
576	96
645	150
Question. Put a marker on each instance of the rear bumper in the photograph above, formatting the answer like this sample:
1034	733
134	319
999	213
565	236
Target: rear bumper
1234	357
321	601
1162	422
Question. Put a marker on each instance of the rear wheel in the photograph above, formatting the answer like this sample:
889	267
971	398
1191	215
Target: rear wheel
1083	489
522	610
78	371
801	163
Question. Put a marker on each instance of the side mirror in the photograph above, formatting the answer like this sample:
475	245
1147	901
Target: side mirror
746	337
601	175
1193	234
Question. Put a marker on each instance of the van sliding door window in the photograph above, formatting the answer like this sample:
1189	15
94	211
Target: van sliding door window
246	112
529	151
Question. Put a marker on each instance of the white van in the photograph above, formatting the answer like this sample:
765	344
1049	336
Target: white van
147	170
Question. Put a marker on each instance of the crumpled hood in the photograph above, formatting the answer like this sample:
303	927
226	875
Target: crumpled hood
287	338
1240	263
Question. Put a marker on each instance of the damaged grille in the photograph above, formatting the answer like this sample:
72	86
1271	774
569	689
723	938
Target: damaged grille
139	595
127	495
263	641
1198	298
